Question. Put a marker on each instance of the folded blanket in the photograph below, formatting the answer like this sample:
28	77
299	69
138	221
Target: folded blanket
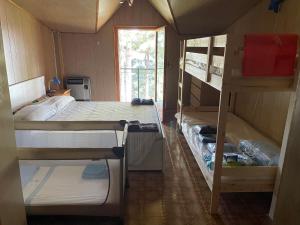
229	159
134	126
147	102
207	138
95	171
149	127
204	129
138	101
264	154
228	147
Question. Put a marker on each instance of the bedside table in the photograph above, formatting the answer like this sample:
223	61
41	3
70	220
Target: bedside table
60	92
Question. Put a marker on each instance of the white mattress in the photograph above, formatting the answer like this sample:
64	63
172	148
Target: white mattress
107	111
236	128
61	183
140	145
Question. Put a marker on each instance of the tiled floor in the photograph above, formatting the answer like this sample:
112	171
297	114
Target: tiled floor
179	196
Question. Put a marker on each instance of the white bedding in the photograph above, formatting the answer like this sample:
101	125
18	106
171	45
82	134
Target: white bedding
236	128
67	109
60	182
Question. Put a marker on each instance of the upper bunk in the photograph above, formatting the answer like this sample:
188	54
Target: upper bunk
219	60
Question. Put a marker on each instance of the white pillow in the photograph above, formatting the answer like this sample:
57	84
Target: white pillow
35	113
44	110
62	101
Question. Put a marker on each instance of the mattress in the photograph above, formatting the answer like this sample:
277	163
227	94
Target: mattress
141	146
107	111
236	130
61	182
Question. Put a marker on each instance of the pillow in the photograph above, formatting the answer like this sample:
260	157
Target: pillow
264	154
44	110
59	102
35	113
62	101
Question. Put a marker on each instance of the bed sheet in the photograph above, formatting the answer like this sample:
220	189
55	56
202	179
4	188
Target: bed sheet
61	182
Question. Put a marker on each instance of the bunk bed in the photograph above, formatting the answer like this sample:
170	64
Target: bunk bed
209	60
73	179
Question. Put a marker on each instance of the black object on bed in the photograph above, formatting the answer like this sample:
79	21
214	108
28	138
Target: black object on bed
138	101
136	126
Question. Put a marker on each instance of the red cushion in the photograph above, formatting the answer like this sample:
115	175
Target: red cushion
270	54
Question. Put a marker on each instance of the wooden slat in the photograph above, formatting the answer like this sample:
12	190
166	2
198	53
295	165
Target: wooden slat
202	50
207	109
262	83
250	171
68	125
198	42
208	59
219	51
247	185
195	90
181	74
220	41
65	153
194	101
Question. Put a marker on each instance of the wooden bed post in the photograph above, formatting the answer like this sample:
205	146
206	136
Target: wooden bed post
221	130
209	56
181	84
232	102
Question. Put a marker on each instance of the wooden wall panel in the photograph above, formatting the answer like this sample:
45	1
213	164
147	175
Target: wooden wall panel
202	94
28	44
12	210
265	111
93	54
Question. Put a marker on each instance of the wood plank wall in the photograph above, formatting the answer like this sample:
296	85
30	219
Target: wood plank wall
265	111
202	94
93	54
28	44
12	210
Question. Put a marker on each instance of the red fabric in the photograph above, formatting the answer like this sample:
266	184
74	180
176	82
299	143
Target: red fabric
270	55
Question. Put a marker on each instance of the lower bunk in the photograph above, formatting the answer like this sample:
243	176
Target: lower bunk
62	176
71	187
250	159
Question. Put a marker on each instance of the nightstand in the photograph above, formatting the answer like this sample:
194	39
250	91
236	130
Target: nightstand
60	92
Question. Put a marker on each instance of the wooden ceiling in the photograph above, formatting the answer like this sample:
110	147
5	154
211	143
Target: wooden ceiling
189	17
81	16
202	17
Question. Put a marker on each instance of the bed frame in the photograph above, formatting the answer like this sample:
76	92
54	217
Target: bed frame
209	60
114	206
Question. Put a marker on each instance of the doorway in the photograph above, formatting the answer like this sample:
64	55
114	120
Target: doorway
140	57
